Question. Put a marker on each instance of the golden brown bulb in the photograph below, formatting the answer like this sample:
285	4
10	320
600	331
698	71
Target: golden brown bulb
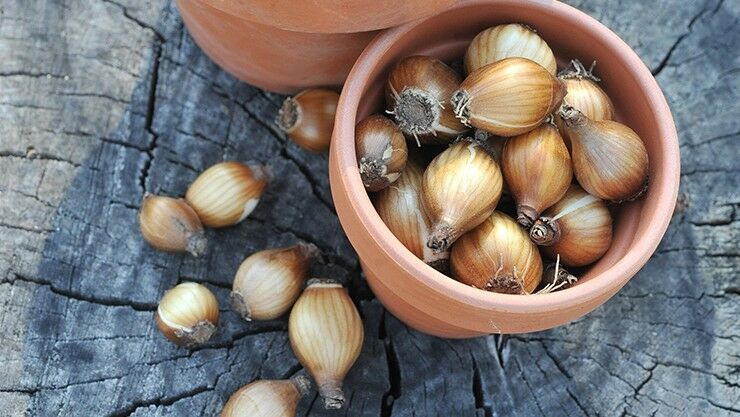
402	210
187	314
537	169
416	92
497	256
509	97
461	188
507	41
326	334
267	398
308	118
226	193
171	225
609	159
381	152
268	282
578	228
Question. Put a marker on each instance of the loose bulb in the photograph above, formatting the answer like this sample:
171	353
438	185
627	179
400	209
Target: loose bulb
267	398
381	152
585	95
609	159
507	41
308	118
537	169
497	256
461	188
578	228
268	282
171	225
326	334
187	314
508	97
402	210
416	92
226	193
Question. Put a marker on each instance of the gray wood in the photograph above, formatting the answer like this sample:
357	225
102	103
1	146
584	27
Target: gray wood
101	101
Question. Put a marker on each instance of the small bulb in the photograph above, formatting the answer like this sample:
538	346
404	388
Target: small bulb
326	334
401	208
578	228
267	398
188	314
507	41
381	152
609	159
308	118
268	282
509	97
537	169
497	256
226	193
171	225
417	93
461	188
585	95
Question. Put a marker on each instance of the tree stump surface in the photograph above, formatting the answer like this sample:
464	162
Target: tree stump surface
102	101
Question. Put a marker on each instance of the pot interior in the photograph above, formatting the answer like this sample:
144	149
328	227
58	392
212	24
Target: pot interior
446	37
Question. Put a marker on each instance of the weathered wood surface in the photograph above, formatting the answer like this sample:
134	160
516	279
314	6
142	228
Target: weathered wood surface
101	101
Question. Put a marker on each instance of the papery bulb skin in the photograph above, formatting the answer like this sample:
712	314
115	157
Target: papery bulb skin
171	225
228	192
609	159
401	208
417	93
585	95
326	334
267	398
308	118
509	97
268	282
497	256
187	314
381	152
507	41
578	228
460	189
537	169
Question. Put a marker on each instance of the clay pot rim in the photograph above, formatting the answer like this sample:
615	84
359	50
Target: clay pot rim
610	280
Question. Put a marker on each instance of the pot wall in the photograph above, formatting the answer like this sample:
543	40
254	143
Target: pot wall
271	58
331	16
439	305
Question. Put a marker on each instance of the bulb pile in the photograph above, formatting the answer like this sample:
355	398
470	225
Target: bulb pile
512	126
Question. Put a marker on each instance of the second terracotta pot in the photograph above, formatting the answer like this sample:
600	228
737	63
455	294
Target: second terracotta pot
271	58
331	16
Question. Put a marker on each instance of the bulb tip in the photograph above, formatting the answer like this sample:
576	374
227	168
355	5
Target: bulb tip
309	250
288	115
460	101
526	216
440	238
323	283
333	396
197	244
505	284
240	305
545	232
417	112
261	172
302	384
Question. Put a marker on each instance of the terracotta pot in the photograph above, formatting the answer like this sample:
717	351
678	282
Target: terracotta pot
268	57
331	16
436	304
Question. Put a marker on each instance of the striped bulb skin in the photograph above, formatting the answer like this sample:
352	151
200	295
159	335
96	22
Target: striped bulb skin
509	97
326	334
401	208
497	256
226	193
507	41
267	398
578	228
461	188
